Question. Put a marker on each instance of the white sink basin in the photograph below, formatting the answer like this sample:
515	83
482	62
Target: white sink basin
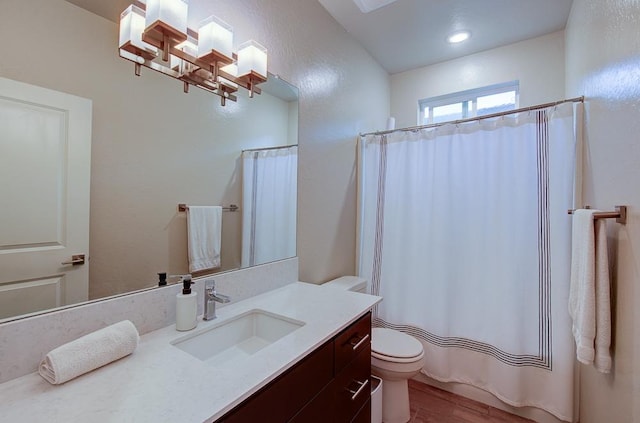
237	337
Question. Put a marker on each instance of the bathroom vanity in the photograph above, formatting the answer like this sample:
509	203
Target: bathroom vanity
332	384
318	371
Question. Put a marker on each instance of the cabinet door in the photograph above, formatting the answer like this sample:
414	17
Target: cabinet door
262	407
319	410
280	400
364	415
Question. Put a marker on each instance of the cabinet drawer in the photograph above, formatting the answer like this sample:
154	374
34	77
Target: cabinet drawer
352	341
353	387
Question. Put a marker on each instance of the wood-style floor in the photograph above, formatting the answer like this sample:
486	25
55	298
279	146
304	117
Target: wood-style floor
433	405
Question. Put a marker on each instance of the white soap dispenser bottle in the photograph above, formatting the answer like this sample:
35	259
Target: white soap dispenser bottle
186	306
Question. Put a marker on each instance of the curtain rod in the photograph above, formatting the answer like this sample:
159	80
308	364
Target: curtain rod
510	112
270	148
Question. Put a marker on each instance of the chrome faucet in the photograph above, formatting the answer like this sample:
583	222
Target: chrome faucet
211	297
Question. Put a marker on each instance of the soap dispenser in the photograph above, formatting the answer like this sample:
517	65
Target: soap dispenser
186	306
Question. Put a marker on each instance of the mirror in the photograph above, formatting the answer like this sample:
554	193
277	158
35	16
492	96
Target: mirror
136	228
153	147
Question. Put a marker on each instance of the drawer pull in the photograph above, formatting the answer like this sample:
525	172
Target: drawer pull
360	389
357	344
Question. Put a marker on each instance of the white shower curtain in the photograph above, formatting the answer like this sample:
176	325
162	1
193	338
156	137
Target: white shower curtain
269	190
464	231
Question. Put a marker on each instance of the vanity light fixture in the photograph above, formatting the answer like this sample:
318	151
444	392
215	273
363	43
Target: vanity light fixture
458	37
156	36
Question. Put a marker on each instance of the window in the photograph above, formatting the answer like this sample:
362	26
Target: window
471	103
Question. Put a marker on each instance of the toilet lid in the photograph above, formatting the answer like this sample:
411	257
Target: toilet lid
393	343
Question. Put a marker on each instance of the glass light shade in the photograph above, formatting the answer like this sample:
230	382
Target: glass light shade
252	60
168	16
231	69
190	46
131	27
215	40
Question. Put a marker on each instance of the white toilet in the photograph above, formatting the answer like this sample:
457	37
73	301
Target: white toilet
395	358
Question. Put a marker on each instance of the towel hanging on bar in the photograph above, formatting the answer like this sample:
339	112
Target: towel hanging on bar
231	208
620	214
204	237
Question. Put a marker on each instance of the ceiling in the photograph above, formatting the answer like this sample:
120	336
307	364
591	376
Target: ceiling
407	34
109	9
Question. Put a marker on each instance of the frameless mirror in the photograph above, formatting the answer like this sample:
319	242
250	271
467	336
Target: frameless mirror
153	148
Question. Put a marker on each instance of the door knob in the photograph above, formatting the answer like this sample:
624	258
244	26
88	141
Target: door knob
76	260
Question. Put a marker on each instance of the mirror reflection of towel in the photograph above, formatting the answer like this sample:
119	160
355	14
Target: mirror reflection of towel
204	230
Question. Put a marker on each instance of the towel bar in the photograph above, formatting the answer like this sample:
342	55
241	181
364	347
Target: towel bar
232	208
620	214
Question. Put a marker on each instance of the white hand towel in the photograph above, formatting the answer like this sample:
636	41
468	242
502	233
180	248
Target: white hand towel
204	229
602	359
589	304
89	352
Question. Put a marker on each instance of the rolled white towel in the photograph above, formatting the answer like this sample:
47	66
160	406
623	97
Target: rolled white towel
89	352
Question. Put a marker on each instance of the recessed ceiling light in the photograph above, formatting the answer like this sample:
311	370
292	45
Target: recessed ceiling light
367	6
458	37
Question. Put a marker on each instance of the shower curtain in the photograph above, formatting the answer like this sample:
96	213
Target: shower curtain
269	189
464	231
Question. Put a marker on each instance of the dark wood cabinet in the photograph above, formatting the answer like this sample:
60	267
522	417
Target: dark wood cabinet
351	341
319	410
352	387
332	384
364	415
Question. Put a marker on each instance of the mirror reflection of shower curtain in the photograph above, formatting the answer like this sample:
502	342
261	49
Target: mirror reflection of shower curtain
464	231
269	198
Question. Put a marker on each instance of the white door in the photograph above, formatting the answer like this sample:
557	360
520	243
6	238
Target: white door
45	159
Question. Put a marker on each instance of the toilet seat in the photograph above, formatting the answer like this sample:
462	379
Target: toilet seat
395	346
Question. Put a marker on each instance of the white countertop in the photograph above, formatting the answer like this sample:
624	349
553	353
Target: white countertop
161	383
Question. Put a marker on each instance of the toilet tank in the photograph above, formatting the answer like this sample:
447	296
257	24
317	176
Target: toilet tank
348	283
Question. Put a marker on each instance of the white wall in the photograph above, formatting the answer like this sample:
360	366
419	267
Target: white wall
537	63
343	91
149	118
603	63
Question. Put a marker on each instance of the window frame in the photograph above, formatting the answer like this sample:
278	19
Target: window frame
468	98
